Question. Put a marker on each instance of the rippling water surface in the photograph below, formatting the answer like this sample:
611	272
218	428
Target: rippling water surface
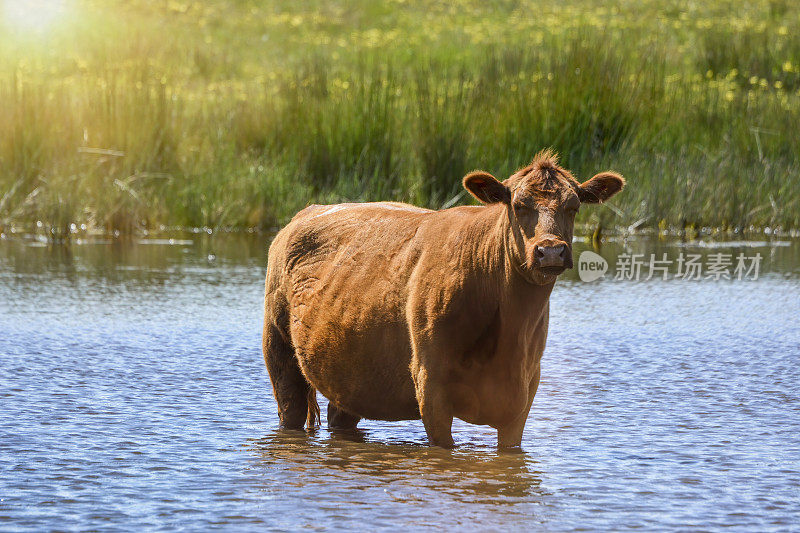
134	395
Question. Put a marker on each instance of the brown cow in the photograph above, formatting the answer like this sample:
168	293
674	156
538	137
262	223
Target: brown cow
394	312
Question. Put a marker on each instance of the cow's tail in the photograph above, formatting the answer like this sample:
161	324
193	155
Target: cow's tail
314	416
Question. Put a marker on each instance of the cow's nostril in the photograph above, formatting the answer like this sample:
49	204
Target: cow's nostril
538	252
563	252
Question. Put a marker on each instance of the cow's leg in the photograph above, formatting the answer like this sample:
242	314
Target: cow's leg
510	436
341	419
292	391
435	409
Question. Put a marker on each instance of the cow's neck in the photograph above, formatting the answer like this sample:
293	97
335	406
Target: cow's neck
493	252
506	293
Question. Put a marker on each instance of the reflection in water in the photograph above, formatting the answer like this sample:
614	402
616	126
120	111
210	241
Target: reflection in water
134	396
410	480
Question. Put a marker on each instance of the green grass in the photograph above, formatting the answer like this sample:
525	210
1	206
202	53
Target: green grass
132	115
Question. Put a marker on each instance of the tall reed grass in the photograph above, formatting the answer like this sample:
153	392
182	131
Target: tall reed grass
135	115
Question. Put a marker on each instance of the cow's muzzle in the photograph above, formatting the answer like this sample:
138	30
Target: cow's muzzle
551	256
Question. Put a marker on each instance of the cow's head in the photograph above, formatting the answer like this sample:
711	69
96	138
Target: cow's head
541	202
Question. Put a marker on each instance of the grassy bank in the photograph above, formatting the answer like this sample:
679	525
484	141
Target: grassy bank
128	115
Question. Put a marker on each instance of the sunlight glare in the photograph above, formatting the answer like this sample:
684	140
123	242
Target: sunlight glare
32	15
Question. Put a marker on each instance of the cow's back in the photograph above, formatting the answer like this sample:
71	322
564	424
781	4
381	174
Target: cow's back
342	274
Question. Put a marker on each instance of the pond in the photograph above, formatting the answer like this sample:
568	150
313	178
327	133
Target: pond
134	395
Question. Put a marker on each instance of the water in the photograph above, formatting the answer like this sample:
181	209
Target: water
134	396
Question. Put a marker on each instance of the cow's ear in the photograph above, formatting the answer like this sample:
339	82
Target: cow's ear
486	188
601	187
